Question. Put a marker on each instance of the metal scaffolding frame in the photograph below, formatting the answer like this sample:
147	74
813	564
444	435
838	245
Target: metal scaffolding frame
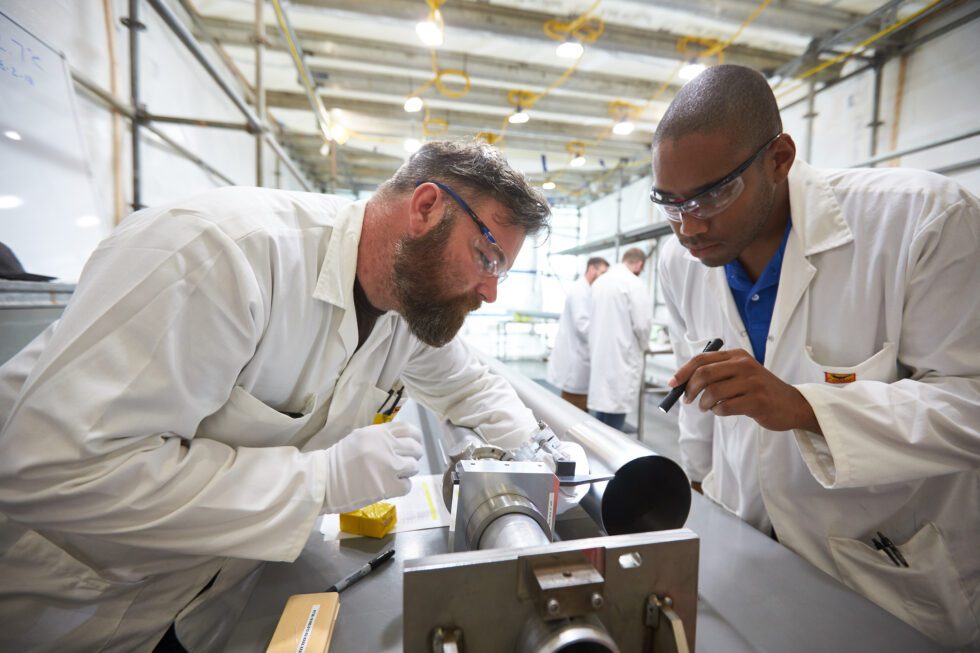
142	119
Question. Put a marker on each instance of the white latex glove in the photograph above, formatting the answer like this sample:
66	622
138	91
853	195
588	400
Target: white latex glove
372	463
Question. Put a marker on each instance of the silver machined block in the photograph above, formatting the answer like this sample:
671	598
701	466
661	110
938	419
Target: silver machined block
490	489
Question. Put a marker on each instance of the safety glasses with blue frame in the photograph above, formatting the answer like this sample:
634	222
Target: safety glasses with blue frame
487	254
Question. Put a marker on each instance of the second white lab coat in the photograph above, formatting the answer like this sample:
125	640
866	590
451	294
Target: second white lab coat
877	323
622	315
170	429
568	366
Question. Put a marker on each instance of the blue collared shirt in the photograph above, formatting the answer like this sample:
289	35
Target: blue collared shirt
755	301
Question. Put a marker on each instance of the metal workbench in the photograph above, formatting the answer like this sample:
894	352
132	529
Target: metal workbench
754	594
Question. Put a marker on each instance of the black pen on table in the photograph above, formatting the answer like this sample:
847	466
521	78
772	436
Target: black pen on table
361	572
676	393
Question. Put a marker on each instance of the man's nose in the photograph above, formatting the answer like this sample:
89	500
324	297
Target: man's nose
691	226
488	289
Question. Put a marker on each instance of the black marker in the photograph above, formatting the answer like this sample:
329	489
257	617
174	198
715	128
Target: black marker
676	393
361	572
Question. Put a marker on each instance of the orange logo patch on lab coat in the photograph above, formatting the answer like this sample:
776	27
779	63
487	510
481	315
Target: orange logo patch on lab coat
837	379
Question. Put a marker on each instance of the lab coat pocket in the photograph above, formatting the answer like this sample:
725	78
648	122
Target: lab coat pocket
63	574
371	404
245	421
694	345
927	594
882	366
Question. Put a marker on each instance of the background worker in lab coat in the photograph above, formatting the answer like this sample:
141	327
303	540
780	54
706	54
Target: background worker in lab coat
211	387
568	365
847	400
618	335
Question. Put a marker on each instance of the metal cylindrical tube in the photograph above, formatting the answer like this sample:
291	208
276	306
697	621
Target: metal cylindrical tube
648	491
511	531
566	636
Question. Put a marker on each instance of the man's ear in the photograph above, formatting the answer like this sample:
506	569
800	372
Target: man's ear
784	154
425	209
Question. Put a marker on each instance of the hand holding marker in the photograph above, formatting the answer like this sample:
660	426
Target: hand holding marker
676	393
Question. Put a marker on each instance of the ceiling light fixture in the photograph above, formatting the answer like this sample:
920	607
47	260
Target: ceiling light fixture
691	70
549	185
570	49
519	117
431	29
624	127
12	135
578	161
412	145
414	104
339	133
325	149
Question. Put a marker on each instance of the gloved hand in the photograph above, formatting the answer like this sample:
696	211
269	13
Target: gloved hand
372	463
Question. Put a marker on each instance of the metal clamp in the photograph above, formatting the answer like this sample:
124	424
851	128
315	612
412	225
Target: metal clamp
660	612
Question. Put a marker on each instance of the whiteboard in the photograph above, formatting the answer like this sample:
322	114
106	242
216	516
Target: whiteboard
48	213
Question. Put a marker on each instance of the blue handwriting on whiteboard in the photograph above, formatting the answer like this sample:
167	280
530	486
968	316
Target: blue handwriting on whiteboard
19	60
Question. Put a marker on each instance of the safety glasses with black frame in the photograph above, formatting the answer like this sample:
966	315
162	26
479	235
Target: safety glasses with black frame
487	254
712	198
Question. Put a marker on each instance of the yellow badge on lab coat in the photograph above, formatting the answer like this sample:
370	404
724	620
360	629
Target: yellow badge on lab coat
838	379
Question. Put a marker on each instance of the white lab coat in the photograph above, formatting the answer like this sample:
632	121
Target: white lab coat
618	334
879	280
568	366
146	446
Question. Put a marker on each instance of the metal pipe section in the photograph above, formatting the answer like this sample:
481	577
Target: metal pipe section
578	635
135	26
259	89
648	492
513	530
918	148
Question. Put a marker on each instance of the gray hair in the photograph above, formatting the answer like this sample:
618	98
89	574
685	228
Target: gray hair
478	169
733	100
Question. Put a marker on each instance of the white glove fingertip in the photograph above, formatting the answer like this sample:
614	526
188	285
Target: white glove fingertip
405	430
408	447
409	467
404	486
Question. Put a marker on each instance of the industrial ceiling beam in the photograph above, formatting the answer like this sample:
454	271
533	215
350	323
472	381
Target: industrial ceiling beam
520	23
415	63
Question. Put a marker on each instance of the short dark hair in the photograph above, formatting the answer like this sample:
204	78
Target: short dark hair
596	261
477	168
634	255
733	100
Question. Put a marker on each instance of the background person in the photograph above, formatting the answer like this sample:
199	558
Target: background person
568	365
618	334
848	401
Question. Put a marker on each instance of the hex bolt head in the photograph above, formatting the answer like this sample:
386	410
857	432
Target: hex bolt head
553	606
597	600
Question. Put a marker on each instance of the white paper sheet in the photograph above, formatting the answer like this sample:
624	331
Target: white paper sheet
418	510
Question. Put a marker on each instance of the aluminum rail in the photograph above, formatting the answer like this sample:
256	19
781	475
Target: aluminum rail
648	492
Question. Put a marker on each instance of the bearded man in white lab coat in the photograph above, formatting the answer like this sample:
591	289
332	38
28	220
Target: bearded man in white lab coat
211	387
618	336
845	407
568	365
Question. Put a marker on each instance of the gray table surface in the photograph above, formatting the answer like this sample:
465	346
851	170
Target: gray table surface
754	594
